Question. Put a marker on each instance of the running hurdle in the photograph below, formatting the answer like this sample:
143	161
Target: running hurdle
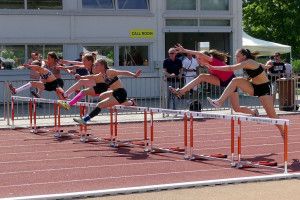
32	112
188	119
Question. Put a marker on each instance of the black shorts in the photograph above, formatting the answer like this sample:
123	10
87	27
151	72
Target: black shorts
60	82
225	83
262	89
100	88
120	94
51	86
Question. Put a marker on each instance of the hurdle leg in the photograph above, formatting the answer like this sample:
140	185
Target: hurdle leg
34	117
145	132
83	128
285	148
115	135
232	142
111	125
30	113
185	136
191	137
12	113
151	131
239	140
58	119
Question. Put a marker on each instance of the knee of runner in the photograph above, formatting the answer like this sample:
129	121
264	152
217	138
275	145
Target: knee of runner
236	108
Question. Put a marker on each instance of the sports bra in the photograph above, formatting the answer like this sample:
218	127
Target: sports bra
254	72
110	81
45	76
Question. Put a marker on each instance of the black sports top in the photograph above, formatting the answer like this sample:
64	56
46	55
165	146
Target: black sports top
254	72
110	81
45	76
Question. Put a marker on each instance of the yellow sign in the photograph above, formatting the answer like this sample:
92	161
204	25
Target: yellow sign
141	33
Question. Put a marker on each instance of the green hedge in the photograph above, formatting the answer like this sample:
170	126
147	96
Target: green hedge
296	66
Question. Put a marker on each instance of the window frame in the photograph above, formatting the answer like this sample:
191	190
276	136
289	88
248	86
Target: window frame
116	7
109	9
25	7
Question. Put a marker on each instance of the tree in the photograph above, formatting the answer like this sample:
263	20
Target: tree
274	20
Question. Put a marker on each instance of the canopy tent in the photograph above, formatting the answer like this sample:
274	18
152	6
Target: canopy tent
265	48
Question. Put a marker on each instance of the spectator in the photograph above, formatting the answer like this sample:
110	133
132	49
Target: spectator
190	65
34	56
276	69
173	73
80	57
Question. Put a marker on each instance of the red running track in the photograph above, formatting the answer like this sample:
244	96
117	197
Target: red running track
38	164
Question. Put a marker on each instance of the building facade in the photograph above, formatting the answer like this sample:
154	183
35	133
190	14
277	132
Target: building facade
132	33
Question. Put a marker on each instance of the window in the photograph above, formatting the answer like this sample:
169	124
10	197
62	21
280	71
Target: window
132	4
12	4
58	49
102	4
214	4
44	4
181	4
116	4
31	4
12	55
181	22
17	55
214	22
133	56
106	52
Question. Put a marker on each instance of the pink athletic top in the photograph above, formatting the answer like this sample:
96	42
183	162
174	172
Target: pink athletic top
222	75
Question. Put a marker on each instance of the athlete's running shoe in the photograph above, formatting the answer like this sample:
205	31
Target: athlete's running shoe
256	113
213	103
12	89
64	104
133	102
79	121
36	95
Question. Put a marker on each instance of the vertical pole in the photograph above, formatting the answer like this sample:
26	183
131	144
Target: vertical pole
30	113
84	112
151	130
116	125
34	116
81	114
111	124
185	134
191	135
145	130
12	113
55	116
232	140
239	140
58	118
285	148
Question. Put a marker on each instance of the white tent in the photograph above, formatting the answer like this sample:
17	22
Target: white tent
265	48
